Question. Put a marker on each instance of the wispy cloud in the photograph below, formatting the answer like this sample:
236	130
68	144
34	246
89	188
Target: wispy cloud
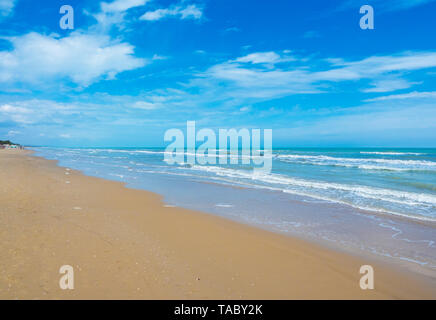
158	57
376	65
18	114
113	13
386	85
266	75
190	11
121	5
6	7
7	108
410	95
260	57
13	133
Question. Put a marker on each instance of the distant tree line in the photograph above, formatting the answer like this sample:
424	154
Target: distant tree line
6	142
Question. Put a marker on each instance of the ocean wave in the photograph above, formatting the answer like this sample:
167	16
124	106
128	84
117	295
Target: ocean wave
362	163
354	195
389	153
212	153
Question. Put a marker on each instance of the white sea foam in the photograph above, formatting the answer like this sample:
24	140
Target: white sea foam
389	153
224	205
361	163
364	197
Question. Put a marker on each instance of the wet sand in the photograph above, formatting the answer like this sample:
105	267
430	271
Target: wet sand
125	244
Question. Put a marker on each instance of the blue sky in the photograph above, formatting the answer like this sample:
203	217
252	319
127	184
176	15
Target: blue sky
131	69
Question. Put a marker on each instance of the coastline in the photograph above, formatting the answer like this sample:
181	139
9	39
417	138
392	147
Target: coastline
125	243
278	208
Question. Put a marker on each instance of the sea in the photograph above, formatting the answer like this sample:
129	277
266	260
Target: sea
380	202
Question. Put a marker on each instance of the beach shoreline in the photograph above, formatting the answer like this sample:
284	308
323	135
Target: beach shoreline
127	244
333	222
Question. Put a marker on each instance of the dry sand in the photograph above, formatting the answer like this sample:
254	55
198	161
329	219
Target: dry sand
124	243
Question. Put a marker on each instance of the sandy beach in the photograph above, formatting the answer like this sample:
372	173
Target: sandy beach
127	244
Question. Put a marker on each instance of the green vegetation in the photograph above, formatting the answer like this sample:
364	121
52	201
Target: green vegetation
3	142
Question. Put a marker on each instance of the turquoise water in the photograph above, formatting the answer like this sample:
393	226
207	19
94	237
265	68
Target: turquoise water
381	201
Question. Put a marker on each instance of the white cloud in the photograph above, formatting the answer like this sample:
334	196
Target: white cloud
155	15
188	12
261	78
145	105
158	57
83	113
269	57
80	58
6	7
260	57
257	76
15	113
49	113
386	85
83	57
13	133
7	108
401	62
113	13
377	65
410	95
121	5
155	100
191	11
